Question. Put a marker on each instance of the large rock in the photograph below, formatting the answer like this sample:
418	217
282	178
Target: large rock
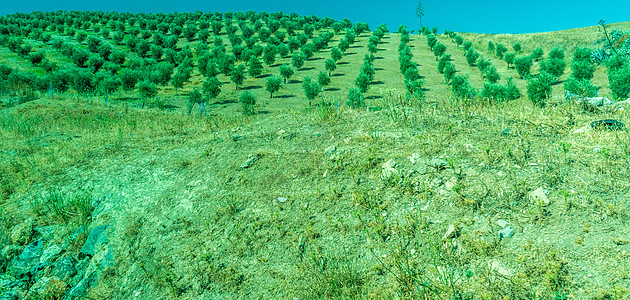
102	261
22	264
95	241
51	253
21	234
539	198
65	268
79	290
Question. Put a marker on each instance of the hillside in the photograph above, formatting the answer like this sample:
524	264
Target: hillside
116	185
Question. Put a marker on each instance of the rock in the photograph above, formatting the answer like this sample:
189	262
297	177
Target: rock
10	295
330	150
21	234
41	270
64	269
51	253
103	260
389	170
607	124
390	164
583	129
249	162
49	288
79	291
502	223
499	267
506	232
45	232
414	158
95	241
438	163
539	198
10	251
22	264
506	132
237	137
451	232
597	150
70	240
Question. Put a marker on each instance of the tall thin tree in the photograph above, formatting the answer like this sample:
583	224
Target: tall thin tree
420	12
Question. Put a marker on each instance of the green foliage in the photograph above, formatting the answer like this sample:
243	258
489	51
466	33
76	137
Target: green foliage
147	90
517	47
491	74
330	66
556	53
335	53
537	54
461	87
500	50
582	87
298	60
286	72
438	50
471	57
482	64
415	88
445	59
449	72
248	101
553	65
616	62
509	58
274	83
212	87
523	66
355	98
363	82
619	82
539	88
269	54
491	47
497	93
238	76
323	79
431	40
255	67
582	70
311	89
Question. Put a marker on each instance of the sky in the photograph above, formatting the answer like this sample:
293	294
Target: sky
456	15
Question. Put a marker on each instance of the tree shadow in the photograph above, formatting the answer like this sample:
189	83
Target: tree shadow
126	98
378	82
373	97
343	63
378	69
350	53
251	87
315	58
284	96
295	81
263	76
355	46
332	89
378	57
263	112
338	75
307	69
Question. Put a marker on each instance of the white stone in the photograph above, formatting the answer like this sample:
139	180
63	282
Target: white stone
414	158
450	232
539	198
502	223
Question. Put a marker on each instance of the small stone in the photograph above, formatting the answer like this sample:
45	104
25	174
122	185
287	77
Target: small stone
438	163
237	137
506	132
500	174
101	261
597	150
22	264
45	232
502	223
282	199
451	232
539	198
95	241
51	253
21	234
414	158
390	164
249	162
330	150
506	232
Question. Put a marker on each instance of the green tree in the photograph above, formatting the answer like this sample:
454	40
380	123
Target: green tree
491	46
554	66
274	83
491	74
509	58
539	89
500	50
420	12
269	54
238	76
286	72
147	90
619	82
582	87
323	79
445	59
298	60
449	72
438	50
582	70
471	57
212	87
330	66
363	82
311	89
537	54
523	66
194	97
248	100
255	67
517	47
335	54
355	98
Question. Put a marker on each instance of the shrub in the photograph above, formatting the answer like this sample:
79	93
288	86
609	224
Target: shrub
517	47
554	66
248	100
355	98
582	87
539	89
330	66
438	50
461	87
255	67
523	66
500	50
414	88
286	72
238	76
298	60
446	58
619	81
491	74
449	72
323	79
582	69
482	64
471	57
468	46
509	58
491	47
537	54
556	53
363	82
431	40
212	87
147	90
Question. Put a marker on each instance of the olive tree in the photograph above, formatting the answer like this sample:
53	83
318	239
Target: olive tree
274	83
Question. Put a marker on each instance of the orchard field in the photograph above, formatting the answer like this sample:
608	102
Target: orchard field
277	156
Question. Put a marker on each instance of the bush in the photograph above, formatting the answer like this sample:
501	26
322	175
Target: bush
539	89
523	66
449	72
355	98
509	58
471	57
483	64
446	58
147	90
248	100
431	40
461	87
363	82
438	50
582	87
500	50
212	87
491	74
517	47
414	88
274	83
491	46
582	70
286	72
537	54
553	66
311	89
619	81
323	79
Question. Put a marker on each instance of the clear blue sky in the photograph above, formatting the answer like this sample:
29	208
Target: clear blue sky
457	15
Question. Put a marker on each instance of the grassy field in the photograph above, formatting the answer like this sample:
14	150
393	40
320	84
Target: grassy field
397	199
